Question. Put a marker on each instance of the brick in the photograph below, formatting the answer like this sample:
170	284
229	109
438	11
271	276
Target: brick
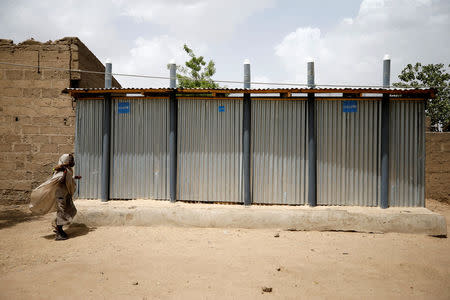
49	130
22	147
32	92
12	139
52	74
6	130
23	120
40	176
51	93
12	197
60	84
66	112
11	92
15	101
45	158
7	165
62	102
25	101
40	139
56	121
41	121
33	75
6	184
66	148
14	74
61	54
45	102
67	130
15	156
30	129
18	175
35	148
24	185
21	111
5	147
48	148
11	84
61	139
49	111
33	167
39	83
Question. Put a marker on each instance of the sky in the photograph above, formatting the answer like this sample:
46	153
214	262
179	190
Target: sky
347	39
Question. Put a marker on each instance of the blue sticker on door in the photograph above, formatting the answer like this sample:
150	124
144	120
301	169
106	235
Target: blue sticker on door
349	106
123	107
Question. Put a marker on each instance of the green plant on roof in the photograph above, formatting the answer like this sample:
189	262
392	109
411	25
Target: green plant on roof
196	73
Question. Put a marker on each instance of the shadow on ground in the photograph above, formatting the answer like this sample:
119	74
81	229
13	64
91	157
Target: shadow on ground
74	230
10	216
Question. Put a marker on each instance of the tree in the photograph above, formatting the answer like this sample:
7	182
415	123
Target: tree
196	73
430	76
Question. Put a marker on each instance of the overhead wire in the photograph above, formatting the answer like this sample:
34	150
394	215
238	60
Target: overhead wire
168	77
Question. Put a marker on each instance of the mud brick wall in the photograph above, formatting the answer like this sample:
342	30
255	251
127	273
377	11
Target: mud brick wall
437	166
37	121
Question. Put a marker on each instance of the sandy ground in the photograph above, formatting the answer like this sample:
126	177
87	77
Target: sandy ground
194	263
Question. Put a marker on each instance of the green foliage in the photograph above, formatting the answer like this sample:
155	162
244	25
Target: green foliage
430	76
196	73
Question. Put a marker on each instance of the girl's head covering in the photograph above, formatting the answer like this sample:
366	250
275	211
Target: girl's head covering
65	159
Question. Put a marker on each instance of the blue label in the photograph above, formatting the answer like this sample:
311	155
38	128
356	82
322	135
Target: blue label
349	106
123	107
221	108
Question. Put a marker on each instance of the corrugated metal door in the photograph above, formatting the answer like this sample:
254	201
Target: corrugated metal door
407	153
139	158
279	144
210	150
88	147
348	150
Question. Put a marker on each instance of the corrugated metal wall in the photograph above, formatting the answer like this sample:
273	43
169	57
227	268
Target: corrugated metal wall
279	147
407	153
348	149
139	158
88	147
210	150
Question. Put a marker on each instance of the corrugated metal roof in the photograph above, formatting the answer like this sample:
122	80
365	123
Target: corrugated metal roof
325	90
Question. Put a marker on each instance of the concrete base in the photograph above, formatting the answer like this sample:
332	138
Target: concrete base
321	218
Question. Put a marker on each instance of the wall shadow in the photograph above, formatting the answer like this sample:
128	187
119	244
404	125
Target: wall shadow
15	215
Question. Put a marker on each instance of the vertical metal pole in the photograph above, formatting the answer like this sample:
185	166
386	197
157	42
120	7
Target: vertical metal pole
173	134
108	75
247	76
312	144
385	119
246	136
173	74
106	136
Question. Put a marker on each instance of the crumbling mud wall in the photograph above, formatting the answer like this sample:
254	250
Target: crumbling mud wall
437	166
37	121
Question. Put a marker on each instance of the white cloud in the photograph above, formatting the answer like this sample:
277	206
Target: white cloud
214	20
49	20
352	52
139	36
151	57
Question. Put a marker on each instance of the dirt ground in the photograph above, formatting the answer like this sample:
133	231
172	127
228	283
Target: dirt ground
197	263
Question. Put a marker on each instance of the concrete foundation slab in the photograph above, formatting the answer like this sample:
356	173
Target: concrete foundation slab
321	218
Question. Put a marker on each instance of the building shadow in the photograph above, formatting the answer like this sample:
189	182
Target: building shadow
15	215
